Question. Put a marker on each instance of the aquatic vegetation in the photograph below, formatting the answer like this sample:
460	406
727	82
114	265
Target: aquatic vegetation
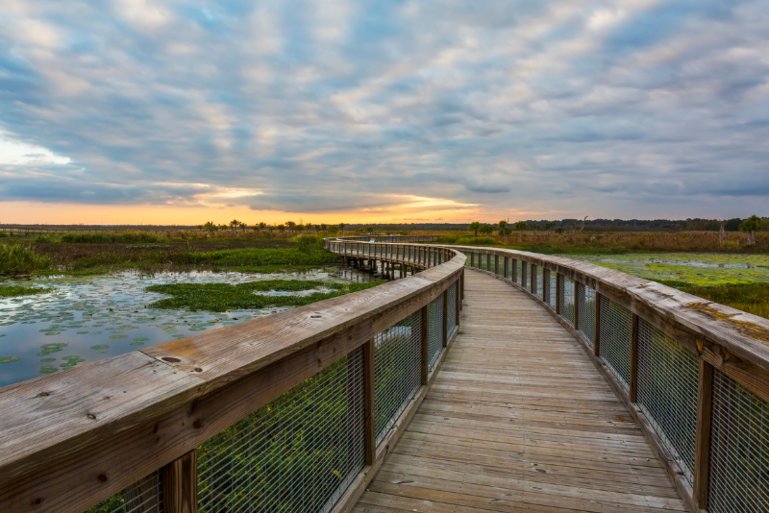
16	259
9	359
737	280
220	297
52	348
18	290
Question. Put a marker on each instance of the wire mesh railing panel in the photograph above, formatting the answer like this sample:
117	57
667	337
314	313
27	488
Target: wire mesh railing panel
518	271
586	308
298	453
452	308
397	370
540	282
144	496
553	289
668	376
567	300
616	331
435	330
739	449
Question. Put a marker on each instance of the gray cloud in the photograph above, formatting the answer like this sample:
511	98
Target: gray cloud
554	107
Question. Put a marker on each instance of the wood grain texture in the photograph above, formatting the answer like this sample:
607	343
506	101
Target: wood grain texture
72	439
685	317
518	419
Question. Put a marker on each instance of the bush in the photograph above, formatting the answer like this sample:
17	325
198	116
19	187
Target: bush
109	238
16	260
307	243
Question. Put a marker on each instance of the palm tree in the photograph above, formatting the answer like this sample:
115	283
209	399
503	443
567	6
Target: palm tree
475	226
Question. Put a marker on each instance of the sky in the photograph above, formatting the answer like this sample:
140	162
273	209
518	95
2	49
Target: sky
183	112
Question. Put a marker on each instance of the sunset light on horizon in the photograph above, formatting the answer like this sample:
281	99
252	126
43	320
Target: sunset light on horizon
136	112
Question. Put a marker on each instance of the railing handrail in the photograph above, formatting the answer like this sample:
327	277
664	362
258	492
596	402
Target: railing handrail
689	370
62	434
743	334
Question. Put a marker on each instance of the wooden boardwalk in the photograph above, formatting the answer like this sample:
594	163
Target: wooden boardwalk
519	420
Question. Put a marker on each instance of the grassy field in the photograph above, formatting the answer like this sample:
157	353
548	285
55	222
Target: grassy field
23	254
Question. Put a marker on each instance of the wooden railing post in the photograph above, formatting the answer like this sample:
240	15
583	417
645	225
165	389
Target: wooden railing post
514	273
472	259
579	289
533	278
546	285
425	369
496	264
558	293
457	299
633	389
597	326
445	317
506	263
180	485
702	441
369	403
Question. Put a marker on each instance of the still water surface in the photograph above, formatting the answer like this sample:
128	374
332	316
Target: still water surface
89	318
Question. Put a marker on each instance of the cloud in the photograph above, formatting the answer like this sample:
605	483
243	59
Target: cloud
620	107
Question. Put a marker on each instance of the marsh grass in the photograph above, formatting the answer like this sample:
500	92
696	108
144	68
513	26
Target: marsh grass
18	290
220	297
749	297
16	260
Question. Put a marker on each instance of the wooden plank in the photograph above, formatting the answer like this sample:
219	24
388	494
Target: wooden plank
498	430
702	442
369	402
633	386
180	482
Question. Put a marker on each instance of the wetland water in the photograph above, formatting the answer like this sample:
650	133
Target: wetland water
88	318
705	269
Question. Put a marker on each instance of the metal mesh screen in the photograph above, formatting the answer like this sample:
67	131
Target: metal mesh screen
145	496
616	331
452	308
739	449
298	453
567	300
586	307
668	375
553	289
397	370
435	331
540	282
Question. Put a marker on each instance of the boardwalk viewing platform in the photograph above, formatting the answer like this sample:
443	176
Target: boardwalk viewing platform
484	380
519	419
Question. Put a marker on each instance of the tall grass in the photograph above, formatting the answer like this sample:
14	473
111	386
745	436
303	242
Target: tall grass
19	260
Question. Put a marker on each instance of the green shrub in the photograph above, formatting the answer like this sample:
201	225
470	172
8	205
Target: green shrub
18	260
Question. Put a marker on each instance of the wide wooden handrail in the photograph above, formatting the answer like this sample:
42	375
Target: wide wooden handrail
70	440
721	339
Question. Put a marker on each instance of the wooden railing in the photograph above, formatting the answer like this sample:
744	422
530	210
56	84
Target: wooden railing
694	373
290	412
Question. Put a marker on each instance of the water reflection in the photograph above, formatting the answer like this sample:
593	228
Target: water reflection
89	318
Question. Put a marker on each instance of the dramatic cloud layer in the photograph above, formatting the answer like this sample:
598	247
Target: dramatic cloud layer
532	108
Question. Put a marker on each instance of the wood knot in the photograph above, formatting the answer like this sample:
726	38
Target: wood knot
198	369
102	477
43	394
91	416
171	359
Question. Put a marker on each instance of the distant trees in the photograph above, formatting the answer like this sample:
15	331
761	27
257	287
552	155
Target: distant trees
475	226
486	229
504	229
751	225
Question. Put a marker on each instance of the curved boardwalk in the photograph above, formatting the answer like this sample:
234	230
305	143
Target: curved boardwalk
519	419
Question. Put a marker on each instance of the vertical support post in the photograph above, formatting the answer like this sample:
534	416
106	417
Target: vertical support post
506	263
457	300
633	390
579	291
461	291
546	285
445	322
496	264
597	325
514	270
488	261
533	278
558	293
180	484
369	403
472	259
425	369
702	441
